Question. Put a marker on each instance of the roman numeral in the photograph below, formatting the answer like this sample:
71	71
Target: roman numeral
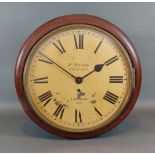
46	61
110	97
78	117
116	79
78	41
45	97
110	61
59	111
41	80
98	112
98	47
59	46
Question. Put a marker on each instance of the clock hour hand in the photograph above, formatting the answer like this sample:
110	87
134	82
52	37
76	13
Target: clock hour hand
52	62
97	68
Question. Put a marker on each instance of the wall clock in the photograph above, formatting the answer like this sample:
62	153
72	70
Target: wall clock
78	76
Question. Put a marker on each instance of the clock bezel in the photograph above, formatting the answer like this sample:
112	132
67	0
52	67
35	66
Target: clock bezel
68	20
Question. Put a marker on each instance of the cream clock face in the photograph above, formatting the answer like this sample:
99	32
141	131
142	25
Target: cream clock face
78	78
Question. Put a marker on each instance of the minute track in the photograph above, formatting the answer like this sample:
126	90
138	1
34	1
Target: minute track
80	118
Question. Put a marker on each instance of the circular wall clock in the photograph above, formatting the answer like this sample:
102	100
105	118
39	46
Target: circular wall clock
78	76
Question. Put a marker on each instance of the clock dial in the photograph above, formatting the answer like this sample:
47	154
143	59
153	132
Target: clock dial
78	78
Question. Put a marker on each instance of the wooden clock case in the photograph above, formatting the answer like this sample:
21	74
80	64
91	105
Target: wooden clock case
57	23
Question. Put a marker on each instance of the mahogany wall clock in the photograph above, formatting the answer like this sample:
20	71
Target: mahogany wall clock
78	76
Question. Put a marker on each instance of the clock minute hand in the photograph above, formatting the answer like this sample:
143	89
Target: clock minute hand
58	65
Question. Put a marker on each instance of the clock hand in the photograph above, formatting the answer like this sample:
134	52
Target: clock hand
97	68
57	65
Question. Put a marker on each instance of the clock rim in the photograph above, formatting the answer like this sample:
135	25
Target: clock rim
68	20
